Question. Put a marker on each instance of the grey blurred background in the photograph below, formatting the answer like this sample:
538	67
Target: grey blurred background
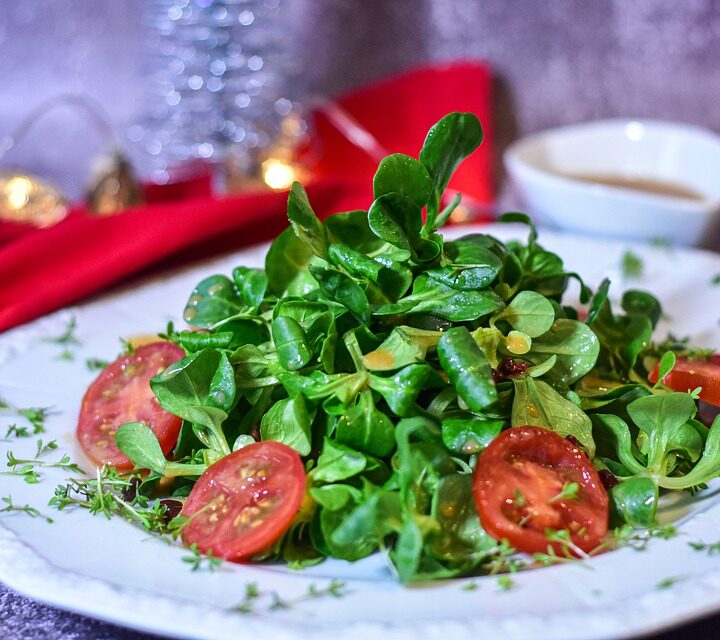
557	61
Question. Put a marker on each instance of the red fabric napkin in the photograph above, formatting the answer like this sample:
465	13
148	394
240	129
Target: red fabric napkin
398	112
42	270
54	267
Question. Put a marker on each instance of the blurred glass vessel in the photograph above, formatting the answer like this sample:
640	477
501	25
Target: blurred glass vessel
219	75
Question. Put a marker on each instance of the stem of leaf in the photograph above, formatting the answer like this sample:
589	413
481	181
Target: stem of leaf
212	438
432	211
220	443
353	347
447	211
175	469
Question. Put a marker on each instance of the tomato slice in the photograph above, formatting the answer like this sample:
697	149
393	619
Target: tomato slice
245	501
517	482
122	393
691	374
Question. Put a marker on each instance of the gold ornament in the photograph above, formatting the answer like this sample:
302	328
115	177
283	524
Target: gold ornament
114	187
26	199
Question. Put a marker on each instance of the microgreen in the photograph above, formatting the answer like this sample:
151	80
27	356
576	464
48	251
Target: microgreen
108	493
505	583
631	265
569	491
13	431
96	364
660	242
711	548
665	366
258	601
67	340
252	593
201	561
11	507
666	583
36	416
127	347
29	468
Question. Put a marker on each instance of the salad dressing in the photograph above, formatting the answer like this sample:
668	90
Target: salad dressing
142	339
379	359
644	185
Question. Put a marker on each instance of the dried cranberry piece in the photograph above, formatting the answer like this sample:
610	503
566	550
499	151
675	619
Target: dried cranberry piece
573	441
608	479
509	368
130	492
172	508
707	413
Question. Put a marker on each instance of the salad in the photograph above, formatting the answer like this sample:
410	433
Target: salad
379	388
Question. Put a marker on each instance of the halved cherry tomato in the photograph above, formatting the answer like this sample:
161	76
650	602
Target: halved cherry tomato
518	480
245	501
122	393
691	374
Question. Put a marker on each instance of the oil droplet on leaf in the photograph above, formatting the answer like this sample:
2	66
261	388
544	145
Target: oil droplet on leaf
379	359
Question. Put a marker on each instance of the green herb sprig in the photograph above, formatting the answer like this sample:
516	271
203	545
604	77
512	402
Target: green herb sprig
67	340
111	494
11	507
35	416
29	468
257	601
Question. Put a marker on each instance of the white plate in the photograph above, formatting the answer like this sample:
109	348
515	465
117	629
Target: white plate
114	571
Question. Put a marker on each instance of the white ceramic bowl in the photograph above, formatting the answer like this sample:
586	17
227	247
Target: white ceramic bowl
542	166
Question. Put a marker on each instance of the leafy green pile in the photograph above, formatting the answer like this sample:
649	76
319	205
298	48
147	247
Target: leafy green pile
389	357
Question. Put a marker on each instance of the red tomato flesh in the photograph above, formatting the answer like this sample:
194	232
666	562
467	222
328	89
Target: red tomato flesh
122	393
517	481
245	501
691	374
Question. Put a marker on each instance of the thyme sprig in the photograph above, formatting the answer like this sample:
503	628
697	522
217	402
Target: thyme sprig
711	548
36	416
505	583
96	364
11	507
251	603
631	265
28	468
199	560
67	340
111	494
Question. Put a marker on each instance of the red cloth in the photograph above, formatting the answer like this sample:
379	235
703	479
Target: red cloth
54	267
42	270
11	231
398	113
